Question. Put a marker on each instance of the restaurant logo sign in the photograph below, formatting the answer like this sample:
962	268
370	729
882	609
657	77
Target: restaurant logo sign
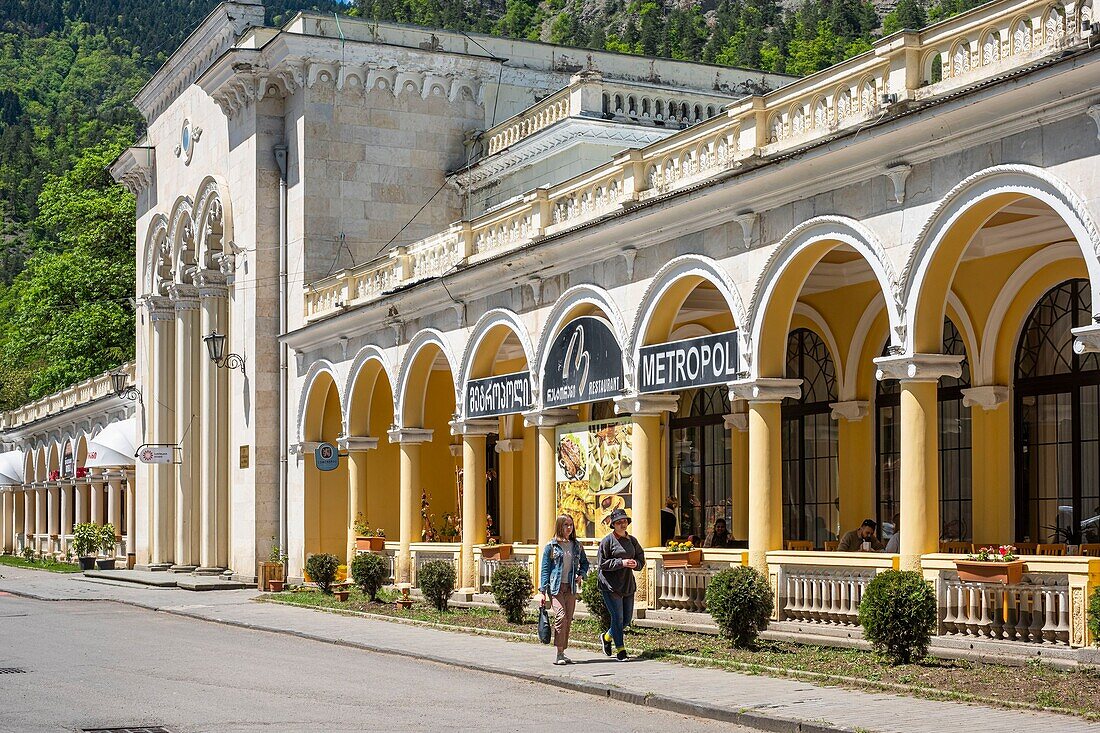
583	364
495	396
696	362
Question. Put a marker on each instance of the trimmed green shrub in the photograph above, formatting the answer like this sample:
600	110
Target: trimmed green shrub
512	589
322	570
436	580
369	572
740	601
85	539
898	614
1094	616
590	594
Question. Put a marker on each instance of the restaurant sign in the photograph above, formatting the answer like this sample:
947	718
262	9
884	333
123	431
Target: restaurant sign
583	364
696	362
502	395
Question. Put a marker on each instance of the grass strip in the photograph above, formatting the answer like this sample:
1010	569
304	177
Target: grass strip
46	564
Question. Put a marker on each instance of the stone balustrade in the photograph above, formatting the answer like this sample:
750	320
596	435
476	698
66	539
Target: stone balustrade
823	587
423	552
903	71
685	589
81	393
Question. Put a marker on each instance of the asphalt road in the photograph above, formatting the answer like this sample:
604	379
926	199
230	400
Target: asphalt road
109	665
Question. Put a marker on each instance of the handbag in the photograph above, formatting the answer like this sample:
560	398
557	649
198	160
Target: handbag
544	625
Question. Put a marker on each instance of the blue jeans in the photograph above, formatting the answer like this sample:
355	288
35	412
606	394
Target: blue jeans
621	609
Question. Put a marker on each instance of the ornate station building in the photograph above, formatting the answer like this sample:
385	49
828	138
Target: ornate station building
451	286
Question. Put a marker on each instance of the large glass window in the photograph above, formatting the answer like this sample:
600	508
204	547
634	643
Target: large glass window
811	507
956	487
700	448
1057	410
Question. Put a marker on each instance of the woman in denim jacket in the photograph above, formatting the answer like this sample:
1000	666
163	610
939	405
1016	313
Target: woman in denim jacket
564	566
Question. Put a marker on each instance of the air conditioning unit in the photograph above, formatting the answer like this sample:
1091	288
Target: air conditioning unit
888	99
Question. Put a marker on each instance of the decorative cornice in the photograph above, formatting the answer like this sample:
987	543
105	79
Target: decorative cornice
1086	340
410	435
766	389
918	367
988	397
159	307
184	297
134	167
549	418
512	445
852	411
356	443
473	427
641	405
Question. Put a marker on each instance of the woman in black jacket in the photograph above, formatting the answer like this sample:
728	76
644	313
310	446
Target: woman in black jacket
618	557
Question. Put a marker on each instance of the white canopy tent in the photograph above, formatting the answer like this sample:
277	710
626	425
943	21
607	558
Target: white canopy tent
114	445
11	468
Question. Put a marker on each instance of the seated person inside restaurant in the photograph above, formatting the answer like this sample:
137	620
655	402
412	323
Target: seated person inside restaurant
862	539
719	536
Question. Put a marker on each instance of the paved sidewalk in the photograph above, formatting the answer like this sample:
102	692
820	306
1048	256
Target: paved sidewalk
756	701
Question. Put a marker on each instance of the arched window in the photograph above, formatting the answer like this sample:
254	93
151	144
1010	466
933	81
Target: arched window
700	458
811	508
1057	411
956	464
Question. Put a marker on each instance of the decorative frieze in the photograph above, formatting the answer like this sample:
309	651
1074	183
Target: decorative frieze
766	389
918	367
646	404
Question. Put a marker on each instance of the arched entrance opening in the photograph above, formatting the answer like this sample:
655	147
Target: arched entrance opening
1057	408
326	492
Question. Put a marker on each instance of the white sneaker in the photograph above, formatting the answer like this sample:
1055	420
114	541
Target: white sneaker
561	659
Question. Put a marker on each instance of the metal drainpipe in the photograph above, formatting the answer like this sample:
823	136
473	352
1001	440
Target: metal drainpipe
280	160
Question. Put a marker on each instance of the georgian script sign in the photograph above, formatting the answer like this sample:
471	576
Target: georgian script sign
494	396
583	364
697	362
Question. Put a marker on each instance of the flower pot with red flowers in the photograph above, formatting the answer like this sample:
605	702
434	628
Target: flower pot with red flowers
681	555
992	565
368	539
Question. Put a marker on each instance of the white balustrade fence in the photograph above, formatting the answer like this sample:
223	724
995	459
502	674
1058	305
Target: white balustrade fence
683	589
823	595
1034	611
488	567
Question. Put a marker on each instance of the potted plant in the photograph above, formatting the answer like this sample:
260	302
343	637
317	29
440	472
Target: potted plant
106	539
492	550
367	539
992	565
681	555
85	542
271	575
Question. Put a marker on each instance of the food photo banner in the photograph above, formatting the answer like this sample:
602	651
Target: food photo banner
503	395
595	463
696	362
583	364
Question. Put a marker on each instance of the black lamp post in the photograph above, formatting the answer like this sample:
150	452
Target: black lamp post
215	344
123	390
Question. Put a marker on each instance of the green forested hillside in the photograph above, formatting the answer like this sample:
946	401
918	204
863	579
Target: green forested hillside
68	69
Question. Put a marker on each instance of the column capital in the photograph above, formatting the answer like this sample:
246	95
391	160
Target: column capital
549	418
737	421
410	435
1086	340
918	367
988	398
765	389
512	445
211	284
356	443
159	307
184	297
646	404
473	427
852	410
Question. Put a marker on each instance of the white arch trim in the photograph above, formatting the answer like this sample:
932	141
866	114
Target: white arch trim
485	324
855	349
826	333
836	228
970	337
1025	180
158	228
674	271
212	191
555	321
1008	295
316	369
419	342
366	354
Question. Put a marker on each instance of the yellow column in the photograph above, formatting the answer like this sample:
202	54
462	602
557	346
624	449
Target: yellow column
53	516
991	464
29	515
546	489
66	526
645	483
738	425
765	463
186	301
95	502
855	464
41	526
356	447
510	454
920	459
473	496
409	440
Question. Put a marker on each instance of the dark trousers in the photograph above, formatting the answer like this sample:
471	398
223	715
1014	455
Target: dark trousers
621	609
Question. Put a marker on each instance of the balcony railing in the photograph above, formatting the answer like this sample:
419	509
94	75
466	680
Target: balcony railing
824	588
81	393
902	68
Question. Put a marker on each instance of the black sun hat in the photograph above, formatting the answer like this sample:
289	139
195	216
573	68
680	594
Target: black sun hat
616	515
